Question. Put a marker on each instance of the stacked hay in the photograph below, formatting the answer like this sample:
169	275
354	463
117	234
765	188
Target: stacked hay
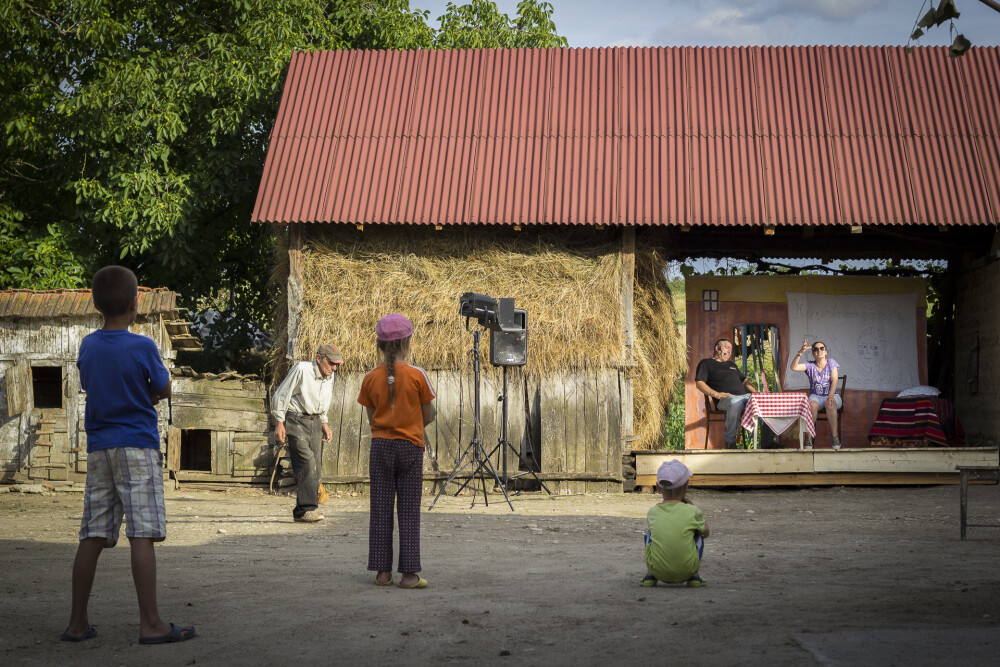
569	284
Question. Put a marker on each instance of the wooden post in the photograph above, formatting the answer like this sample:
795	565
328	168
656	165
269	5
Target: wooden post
295	242
628	331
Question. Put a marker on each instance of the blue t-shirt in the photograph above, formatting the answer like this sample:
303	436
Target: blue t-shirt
117	370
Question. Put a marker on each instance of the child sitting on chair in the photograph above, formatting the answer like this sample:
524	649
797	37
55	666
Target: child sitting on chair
676	533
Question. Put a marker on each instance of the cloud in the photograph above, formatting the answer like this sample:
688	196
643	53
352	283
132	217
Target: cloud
728	26
838	11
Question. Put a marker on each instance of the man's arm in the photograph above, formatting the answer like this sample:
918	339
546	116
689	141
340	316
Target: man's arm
750	388
703	387
279	401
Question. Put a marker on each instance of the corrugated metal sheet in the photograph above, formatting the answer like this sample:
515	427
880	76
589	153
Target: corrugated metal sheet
637	136
43	304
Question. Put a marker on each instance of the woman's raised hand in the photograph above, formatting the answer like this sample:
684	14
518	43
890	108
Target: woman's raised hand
805	346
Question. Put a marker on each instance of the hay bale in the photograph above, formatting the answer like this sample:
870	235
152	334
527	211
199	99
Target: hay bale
569	284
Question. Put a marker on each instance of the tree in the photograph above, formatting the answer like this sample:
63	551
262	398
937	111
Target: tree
134	132
480	25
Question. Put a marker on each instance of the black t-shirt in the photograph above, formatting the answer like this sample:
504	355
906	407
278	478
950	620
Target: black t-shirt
721	376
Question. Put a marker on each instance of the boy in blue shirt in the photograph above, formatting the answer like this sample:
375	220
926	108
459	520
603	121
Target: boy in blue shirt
675	540
124	379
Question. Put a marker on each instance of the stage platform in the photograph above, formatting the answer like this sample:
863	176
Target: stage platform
817	467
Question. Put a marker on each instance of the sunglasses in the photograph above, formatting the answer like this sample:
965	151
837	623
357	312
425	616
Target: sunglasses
817	349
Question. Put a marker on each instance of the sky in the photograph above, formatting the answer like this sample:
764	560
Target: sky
594	23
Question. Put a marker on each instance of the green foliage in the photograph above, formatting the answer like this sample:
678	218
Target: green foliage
480	25
673	425
135	132
36	262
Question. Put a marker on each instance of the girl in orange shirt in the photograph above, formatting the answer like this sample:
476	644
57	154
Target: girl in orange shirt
398	399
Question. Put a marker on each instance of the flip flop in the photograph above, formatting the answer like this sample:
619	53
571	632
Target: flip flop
177	634
421	583
648	580
383	583
89	633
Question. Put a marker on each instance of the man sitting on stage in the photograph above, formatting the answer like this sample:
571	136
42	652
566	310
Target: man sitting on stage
720	379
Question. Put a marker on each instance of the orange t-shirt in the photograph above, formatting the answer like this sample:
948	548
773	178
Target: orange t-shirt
404	419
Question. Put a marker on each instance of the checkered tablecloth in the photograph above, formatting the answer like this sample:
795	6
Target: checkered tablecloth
779	411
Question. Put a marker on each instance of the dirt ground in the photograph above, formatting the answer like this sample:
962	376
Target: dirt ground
796	577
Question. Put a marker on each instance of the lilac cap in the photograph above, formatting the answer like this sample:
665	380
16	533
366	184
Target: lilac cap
393	327
673	474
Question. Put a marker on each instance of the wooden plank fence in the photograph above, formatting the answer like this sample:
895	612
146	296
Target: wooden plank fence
574	416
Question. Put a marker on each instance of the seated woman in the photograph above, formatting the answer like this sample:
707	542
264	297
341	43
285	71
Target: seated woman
823	376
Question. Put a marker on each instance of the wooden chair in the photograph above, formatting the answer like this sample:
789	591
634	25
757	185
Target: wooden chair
712	414
841	385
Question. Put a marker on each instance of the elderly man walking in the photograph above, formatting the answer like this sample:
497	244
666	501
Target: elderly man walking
299	408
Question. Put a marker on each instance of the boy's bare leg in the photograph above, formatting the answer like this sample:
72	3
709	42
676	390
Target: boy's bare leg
84	569
144	576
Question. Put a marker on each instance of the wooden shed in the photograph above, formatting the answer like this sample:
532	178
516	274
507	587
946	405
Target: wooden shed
218	429
42	434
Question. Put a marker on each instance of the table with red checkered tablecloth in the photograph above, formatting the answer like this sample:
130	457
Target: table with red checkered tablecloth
779	410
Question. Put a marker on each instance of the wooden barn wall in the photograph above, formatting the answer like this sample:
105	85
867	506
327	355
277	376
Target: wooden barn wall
571	422
704	328
977	338
50	444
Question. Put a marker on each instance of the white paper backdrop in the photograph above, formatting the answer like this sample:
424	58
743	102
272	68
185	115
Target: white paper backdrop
872	337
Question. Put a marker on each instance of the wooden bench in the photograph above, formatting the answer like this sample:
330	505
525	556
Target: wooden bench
975	474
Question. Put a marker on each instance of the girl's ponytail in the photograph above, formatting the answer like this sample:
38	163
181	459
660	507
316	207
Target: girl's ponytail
390	365
393	334
391	350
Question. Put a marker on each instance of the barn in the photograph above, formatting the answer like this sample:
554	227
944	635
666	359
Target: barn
565	178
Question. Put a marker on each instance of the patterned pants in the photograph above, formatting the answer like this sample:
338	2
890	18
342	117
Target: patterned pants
396	468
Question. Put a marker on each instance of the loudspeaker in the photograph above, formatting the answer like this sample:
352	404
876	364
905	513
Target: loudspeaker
510	347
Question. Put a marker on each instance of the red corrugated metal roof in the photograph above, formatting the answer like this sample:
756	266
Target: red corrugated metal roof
76	302
637	136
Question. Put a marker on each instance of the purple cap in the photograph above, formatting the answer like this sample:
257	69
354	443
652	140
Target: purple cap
393	327
672	474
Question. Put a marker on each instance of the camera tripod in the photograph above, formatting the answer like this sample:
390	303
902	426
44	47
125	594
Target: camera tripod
504	441
475	454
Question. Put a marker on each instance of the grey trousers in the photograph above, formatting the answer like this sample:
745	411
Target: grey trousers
305	444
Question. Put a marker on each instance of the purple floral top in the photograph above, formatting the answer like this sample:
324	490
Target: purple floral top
819	380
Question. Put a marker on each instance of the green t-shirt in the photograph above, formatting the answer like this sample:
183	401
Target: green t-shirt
670	553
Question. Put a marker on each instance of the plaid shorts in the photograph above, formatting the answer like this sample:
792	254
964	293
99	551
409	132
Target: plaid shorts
124	482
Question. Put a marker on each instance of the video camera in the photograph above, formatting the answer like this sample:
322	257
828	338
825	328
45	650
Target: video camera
508	326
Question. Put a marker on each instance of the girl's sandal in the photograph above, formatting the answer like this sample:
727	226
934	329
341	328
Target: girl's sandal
383	583
421	583
648	580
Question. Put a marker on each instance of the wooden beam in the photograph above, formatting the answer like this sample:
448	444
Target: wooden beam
294	302
628	327
815	479
874	460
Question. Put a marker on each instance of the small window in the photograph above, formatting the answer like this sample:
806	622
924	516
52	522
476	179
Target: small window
710	300
196	449
46	386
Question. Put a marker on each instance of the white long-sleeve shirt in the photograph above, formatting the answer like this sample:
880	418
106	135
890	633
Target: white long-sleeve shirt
305	389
